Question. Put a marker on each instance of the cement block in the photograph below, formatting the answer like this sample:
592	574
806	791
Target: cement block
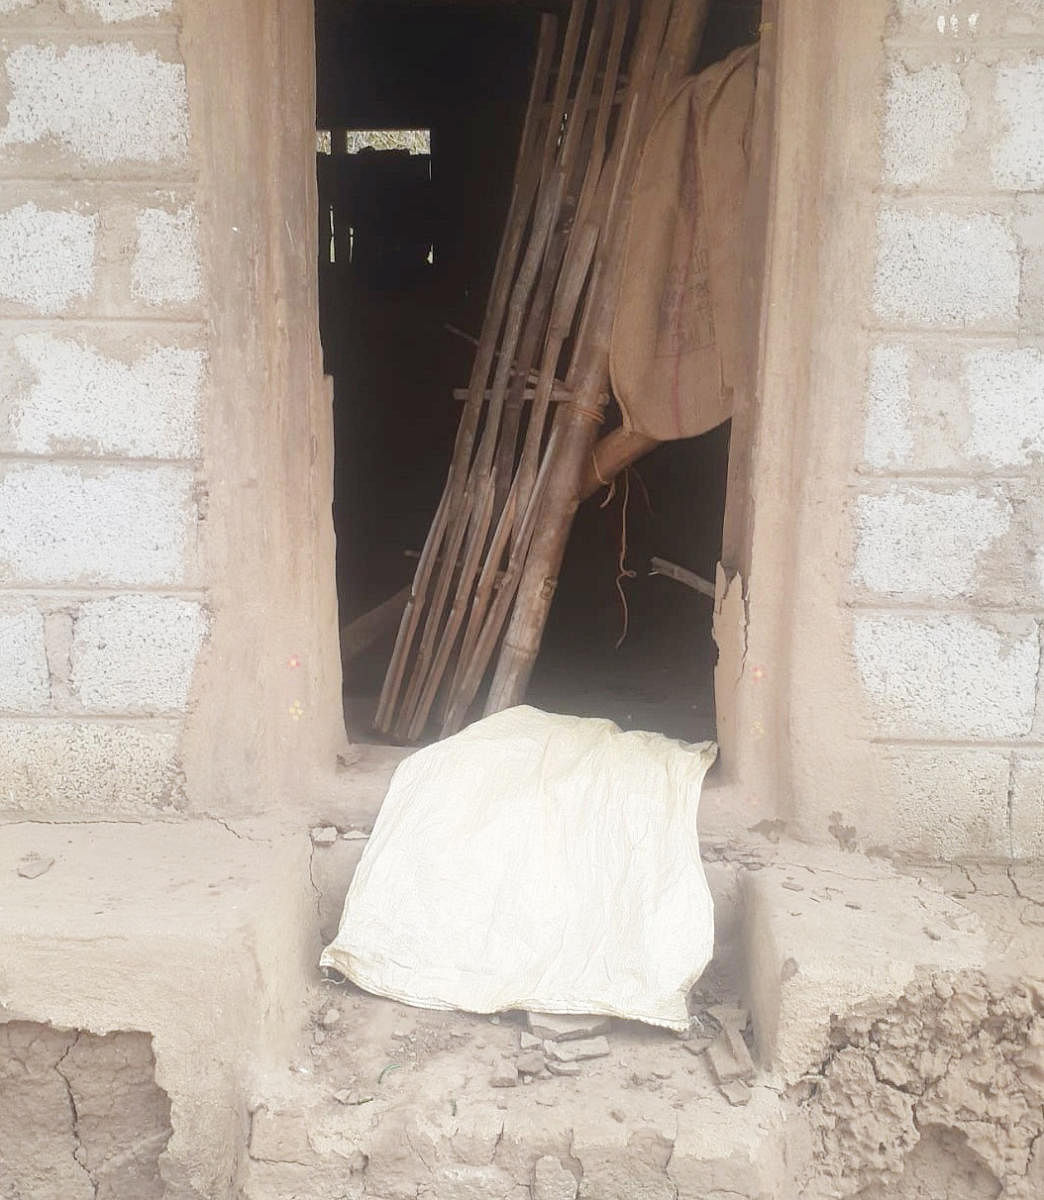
104	103
64	770
1029	228
938	406
947	676
24	678
166	267
136	653
46	257
918	542
112	525
945	269
926	111
63	395
943	803
847	939
1005	397
1017	157
1027	805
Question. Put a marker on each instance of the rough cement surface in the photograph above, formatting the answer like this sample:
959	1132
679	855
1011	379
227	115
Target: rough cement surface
945	269
46	258
62	524
925	113
166	267
957	1064
189	931
103	103
64	396
951	529
81	1116
1006	403
79	771
1018	154
946	801
135	653
24	680
950	676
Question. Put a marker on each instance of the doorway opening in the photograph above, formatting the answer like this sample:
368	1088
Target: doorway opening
419	112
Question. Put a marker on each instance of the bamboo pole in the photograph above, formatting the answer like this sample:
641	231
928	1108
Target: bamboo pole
611	455
523	195
658	62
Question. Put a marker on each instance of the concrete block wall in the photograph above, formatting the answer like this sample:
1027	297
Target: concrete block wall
103	384
946	590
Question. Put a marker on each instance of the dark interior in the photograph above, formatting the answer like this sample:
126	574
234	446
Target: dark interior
415	239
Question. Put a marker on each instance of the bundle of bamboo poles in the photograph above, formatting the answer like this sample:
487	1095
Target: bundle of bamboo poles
495	546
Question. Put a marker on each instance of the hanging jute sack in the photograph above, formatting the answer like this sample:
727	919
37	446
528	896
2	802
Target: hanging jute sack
677	347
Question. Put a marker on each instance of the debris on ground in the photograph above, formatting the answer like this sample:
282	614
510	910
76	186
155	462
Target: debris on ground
32	866
324	835
561	1027
576	1051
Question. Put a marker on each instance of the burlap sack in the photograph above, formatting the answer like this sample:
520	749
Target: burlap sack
676	350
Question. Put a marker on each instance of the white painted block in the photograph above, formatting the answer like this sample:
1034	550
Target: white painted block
1017	153
82	401
914	541
64	770
119	525
46	257
948	676
944	269
136	653
166	267
103	103
24	677
926	111
1005	390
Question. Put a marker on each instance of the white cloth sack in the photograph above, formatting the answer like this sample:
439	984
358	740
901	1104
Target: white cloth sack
536	862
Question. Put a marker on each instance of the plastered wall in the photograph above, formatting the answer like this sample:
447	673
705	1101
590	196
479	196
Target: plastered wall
167	615
888	677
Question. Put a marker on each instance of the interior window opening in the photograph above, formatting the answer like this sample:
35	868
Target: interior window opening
419	114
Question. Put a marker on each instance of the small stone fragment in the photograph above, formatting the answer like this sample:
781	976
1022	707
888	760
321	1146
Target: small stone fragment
560	1027
331	1017
319	1036
571	1069
552	1180
530	1063
730	1016
791	886
697	1045
729	1057
736	1092
504	1076
346	1096
529	1041
355	835
324	835
32	866
575	1051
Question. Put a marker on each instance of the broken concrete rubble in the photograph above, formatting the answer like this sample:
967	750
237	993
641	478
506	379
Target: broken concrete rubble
576	1051
560	1027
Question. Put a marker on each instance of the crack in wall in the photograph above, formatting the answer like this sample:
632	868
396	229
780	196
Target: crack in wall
79	1150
